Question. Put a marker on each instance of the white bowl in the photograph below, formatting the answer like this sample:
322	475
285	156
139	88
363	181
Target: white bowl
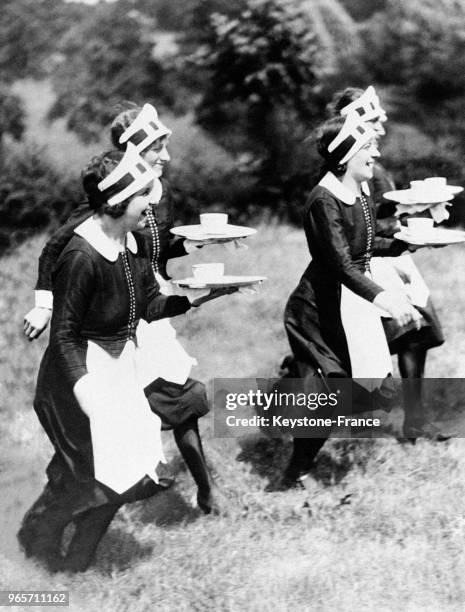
214	222
208	272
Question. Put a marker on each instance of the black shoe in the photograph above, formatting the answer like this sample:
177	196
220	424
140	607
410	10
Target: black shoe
208	503
165	483
285	483
429	431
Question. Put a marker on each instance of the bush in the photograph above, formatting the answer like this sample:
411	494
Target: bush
33	195
421	44
409	154
204	176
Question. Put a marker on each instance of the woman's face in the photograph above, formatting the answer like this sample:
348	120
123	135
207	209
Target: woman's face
157	155
378	127
360	165
135	214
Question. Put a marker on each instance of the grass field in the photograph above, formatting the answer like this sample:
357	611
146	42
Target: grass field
380	526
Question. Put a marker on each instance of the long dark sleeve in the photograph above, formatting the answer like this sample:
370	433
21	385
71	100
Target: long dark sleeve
161	306
74	284
329	226
388	247
55	246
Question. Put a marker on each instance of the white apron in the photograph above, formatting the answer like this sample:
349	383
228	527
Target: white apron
368	349
384	273
126	438
160	354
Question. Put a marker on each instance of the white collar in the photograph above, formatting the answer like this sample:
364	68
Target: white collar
91	231
339	190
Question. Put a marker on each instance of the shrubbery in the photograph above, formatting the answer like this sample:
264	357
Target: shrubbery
33	195
419	44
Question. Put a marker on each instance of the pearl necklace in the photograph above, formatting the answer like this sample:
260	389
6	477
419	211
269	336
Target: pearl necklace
370	233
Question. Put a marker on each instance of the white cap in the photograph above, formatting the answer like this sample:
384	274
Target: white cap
367	106
145	129
353	135
130	176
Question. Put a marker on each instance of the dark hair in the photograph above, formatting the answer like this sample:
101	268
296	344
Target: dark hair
96	170
341	99
325	134
126	113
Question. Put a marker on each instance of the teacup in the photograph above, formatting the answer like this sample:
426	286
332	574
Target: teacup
436	183
214	222
208	272
418	187
420	225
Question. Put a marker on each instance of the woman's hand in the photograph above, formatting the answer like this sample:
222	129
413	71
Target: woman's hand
35	321
197	297
85	392
230	244
213	294
398	306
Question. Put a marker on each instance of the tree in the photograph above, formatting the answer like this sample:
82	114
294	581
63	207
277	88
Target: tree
262	59
105	59
421	44
29	31
11	115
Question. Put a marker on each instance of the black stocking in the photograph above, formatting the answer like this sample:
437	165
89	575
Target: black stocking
90	527
412	366
188	440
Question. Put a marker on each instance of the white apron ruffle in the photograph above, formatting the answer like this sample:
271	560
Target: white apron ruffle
368	349
126	438
160	354
384	273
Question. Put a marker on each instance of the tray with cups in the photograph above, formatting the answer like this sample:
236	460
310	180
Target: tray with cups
213	227
421	232
428	191
211	276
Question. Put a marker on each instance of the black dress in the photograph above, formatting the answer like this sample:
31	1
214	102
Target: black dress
337	236
174	403
93	301
98	300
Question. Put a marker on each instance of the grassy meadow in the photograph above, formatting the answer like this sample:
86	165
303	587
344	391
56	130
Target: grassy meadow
380	526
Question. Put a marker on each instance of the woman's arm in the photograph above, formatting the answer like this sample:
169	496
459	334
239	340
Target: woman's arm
388	247
36	320
330	228
55	246
74	285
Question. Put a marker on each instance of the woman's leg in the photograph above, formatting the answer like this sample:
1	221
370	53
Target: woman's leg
190	445
42	528
411	362
412	366
304	452
90	527
303	455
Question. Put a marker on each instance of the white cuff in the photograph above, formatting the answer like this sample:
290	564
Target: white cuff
44	299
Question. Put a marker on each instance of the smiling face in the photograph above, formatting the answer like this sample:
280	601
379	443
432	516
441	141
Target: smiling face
360	165
157	155
135	214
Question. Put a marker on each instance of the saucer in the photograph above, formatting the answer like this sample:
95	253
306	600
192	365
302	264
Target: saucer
222	281
408	196
198	232
435	237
